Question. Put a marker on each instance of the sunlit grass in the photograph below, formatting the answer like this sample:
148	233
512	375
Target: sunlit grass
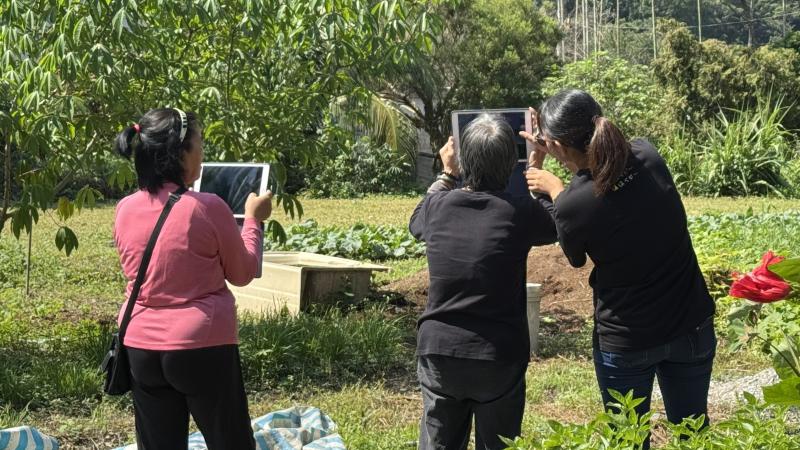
373	411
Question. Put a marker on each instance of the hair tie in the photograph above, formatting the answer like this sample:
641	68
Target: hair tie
184	123
137	128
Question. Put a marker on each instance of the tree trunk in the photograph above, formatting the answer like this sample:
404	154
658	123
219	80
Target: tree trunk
559	47
699	22
575	33
653	18
594	24
616	29
600	24
585	8
783	13
562	20
6	183
750	24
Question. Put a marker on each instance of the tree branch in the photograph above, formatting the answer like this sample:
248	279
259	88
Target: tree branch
6	183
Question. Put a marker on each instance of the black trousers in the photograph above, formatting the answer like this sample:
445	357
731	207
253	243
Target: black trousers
454	390
206	383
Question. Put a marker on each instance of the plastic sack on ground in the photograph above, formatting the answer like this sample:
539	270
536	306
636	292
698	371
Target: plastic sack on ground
27	438
298	428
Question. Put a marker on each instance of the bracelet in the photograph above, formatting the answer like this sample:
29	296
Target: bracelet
448	177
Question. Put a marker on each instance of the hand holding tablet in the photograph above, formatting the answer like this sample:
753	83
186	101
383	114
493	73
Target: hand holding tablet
233	183
258	207
243	186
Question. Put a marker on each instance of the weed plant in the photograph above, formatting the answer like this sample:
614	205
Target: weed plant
744	152
752	426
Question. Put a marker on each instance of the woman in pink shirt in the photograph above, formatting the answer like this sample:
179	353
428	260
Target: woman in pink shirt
182	337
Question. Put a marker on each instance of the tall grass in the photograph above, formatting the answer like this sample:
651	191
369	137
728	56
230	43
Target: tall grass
745	152
278	351
329	349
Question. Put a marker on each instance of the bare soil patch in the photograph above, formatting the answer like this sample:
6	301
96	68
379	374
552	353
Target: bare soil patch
566	295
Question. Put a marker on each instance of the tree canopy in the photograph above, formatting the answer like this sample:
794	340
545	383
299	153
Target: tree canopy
260	74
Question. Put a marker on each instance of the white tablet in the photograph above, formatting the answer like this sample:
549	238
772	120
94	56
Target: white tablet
518	118
233	182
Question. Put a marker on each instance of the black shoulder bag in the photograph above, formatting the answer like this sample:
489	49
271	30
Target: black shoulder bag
115	365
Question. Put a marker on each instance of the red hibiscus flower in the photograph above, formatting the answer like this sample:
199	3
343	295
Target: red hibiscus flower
761	285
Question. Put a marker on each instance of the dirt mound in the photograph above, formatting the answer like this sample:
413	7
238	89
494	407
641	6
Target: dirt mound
566	295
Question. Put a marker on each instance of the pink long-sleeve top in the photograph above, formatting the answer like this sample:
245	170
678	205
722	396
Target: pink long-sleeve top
184	302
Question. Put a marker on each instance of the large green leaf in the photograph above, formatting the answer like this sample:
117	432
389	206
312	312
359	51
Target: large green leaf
788	269
785	393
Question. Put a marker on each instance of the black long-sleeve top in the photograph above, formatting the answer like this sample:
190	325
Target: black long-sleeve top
477	248
648	287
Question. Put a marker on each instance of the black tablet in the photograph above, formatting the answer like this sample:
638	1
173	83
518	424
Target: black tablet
233	182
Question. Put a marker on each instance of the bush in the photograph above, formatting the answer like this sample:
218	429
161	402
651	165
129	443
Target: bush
750	153
360	169
627	92
702	78
357	242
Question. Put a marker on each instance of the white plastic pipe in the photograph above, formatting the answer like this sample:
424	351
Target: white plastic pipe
534	302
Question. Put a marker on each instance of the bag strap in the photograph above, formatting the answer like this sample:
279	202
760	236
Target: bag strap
148	252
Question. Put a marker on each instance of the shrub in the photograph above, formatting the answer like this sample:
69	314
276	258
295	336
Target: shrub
627	92
360	169
745	152
702	78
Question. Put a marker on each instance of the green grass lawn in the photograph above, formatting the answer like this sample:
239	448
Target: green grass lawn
74	299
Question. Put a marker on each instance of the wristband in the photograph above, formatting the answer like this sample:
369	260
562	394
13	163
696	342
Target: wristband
448	177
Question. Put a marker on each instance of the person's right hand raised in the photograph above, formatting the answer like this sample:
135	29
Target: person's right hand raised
258	207
537	156
450	158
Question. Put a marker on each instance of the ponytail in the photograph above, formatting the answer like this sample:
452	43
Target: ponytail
608	155
123	144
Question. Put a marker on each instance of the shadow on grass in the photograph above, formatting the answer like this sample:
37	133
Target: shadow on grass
563	333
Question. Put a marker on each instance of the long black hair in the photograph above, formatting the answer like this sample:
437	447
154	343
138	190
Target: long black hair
574	118
156	146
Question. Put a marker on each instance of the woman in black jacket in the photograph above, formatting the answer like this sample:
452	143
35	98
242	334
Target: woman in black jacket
653	313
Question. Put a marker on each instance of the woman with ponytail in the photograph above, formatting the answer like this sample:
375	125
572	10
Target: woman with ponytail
653	313
181	338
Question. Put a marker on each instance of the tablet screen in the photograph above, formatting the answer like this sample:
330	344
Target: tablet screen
514	118
232	183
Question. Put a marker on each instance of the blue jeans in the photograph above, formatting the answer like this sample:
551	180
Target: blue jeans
683	367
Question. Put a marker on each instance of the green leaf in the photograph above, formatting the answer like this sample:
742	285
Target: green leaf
276	230
785	393
65	208
118	22
788	269
66	240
